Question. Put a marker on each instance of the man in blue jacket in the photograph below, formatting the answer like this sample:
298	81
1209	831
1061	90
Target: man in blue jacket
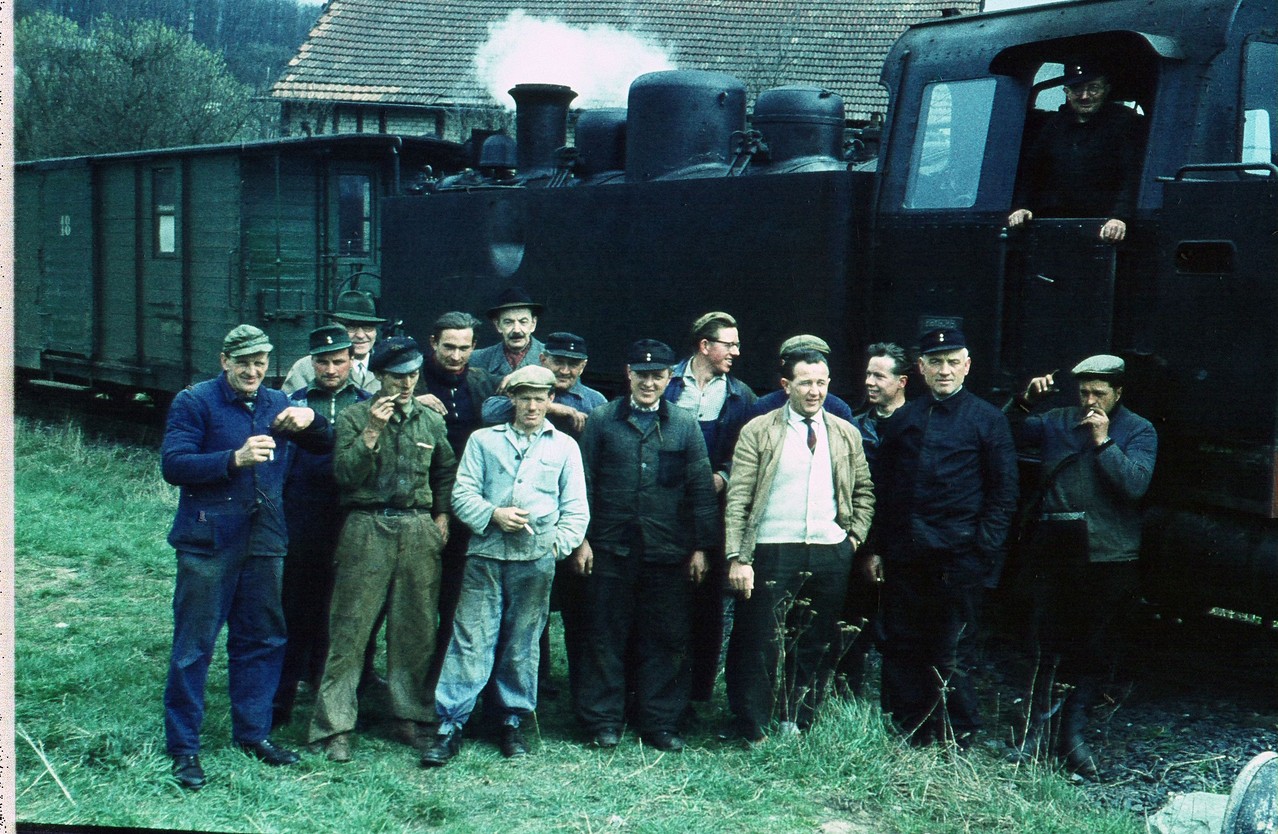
947	492
1098	460
226	446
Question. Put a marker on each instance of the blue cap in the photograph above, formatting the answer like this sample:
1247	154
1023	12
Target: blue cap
649	355
567	345
940	340
396	355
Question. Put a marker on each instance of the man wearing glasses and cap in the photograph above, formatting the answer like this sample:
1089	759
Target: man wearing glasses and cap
356	312
396	471
1083	543
227	446
1086	159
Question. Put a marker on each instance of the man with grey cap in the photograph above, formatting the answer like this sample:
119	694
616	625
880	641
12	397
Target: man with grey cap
946	485
355	311
396	472
653	517
514	317
1083	540
227	445
520	488
311	508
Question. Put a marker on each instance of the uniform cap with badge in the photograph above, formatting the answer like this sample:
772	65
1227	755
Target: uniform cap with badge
328	339
396	355
940	340
566	345
650	355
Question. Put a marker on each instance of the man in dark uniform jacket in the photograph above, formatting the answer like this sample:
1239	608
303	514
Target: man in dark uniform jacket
1085	162
314	519
226	446
653	517
1098	460
946	499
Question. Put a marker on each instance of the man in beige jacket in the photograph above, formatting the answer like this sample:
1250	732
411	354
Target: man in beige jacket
799	504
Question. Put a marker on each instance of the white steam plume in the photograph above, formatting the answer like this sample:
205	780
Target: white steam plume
597	61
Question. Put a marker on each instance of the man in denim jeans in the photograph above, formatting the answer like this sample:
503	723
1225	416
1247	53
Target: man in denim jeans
521	489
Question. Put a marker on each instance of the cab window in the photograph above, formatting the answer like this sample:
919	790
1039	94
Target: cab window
949	146
1260	94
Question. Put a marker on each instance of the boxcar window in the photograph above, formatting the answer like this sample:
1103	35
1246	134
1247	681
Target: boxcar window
945	165
1260	99
355	213
164	210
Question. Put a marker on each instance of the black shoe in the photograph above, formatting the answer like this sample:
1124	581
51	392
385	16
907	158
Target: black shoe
188	773
1078	757
268	752
443	748
669	742
606	739
512	743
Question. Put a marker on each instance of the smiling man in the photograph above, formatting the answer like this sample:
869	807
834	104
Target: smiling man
226	445
357	313
799	505
521	490
1085	161
947	489
514	317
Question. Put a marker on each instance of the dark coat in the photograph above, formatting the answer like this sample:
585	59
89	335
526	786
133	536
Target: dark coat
649	486
948	484
221	508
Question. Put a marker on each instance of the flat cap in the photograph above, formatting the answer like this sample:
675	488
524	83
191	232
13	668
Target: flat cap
804	341
513	297
353	305
715	317
1102	364
245	340
396	355
530	376
649	355
940	340
329	338
567	345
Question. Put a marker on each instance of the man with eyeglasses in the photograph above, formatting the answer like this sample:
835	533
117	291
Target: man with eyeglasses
722	404
356	312
1085	162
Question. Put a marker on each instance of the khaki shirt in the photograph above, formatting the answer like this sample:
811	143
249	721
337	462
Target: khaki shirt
412	465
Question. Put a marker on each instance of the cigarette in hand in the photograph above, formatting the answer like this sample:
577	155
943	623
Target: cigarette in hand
529	528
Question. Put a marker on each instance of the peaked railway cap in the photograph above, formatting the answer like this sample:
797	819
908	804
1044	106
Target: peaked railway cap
327	339
940	340
650	355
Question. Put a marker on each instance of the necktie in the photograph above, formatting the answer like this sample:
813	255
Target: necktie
811	434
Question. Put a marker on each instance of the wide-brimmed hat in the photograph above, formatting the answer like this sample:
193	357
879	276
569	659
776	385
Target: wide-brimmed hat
353	305
513	297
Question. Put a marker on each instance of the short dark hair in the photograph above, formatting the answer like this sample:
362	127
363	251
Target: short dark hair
794	357
893	351
455	320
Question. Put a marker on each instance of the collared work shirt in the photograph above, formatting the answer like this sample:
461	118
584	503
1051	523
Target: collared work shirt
411	466
705	402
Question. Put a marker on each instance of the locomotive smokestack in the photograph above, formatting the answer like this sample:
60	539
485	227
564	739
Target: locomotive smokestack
541	120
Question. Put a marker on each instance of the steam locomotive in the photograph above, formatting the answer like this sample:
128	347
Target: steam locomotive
679	204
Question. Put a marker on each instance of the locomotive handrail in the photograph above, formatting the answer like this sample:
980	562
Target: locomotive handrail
1268	167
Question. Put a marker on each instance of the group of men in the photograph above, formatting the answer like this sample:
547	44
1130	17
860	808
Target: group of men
451	492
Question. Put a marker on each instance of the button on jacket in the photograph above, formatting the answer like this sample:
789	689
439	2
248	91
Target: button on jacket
220	506
949	482
754	468
546	480
650	486
412	465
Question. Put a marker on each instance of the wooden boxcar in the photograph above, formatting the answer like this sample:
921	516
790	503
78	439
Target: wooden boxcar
131	267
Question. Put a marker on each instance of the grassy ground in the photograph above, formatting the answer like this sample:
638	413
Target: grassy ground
94	579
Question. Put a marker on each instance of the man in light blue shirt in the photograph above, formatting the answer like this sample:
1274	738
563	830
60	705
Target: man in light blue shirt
522	490
565	355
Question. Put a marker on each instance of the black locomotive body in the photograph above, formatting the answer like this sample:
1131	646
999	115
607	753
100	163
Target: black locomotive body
696	215
131	267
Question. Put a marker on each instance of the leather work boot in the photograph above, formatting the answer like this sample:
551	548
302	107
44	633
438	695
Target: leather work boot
512	744
1072	748
338	748
443	748
268	752
188	773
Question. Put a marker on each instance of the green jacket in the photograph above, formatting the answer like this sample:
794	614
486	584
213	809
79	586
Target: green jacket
412	465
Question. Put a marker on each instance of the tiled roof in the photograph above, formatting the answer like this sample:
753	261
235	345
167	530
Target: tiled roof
422	52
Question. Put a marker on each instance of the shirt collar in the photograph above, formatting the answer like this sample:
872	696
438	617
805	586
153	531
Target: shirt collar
634	406
794	418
